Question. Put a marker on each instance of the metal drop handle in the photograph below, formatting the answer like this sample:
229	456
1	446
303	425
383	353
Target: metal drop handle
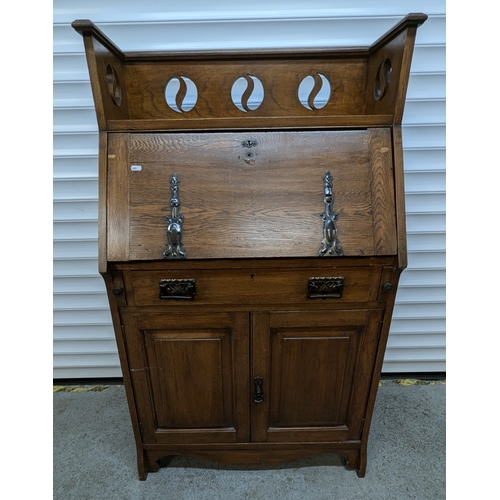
330	245
174	224
258	392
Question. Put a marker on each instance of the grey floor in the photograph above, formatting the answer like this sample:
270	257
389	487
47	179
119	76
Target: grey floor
94	455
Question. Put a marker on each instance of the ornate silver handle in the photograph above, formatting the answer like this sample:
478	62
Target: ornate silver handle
330	246
174	224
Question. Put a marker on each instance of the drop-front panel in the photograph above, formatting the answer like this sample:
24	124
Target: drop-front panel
251	202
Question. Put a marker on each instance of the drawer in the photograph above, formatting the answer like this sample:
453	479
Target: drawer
252	286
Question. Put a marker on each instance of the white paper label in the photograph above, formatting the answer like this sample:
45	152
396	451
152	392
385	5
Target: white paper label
136	168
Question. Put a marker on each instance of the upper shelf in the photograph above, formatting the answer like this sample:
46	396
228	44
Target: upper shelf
245	89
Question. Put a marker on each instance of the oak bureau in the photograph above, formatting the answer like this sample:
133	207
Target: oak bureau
251	238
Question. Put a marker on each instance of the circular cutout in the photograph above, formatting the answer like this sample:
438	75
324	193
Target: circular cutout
181	94
314	91
113	85
382	79
247	93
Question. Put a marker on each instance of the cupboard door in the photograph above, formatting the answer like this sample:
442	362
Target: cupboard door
190	375
316	369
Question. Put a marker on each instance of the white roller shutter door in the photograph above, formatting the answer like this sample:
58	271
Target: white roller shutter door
84	345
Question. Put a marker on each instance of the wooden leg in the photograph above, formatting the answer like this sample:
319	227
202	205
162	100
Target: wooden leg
361	470
351	460
141	465
146	464
153	467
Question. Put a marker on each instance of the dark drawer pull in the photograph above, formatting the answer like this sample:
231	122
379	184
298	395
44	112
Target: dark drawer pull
325	288
178	289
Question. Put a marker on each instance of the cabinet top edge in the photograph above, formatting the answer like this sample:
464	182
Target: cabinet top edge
87	28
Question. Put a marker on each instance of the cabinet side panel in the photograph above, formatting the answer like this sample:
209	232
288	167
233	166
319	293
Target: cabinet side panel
384	75
400	198
382	188
102	203
118	198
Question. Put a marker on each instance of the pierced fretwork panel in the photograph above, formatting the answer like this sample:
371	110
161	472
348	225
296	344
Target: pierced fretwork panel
228	89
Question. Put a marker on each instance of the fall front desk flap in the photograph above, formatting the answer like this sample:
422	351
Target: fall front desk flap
250	195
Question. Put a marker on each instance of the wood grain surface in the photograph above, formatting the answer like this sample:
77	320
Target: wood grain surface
263	201
250	370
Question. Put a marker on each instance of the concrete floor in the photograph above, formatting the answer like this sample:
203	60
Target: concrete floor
94	455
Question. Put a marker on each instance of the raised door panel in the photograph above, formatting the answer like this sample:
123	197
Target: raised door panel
316	370
191	376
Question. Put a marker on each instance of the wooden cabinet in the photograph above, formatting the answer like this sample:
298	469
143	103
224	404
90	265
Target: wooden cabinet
300	368
251	239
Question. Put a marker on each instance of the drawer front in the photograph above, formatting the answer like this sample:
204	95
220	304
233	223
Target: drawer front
252	286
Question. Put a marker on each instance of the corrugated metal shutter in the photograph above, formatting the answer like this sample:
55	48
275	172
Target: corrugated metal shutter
84	345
